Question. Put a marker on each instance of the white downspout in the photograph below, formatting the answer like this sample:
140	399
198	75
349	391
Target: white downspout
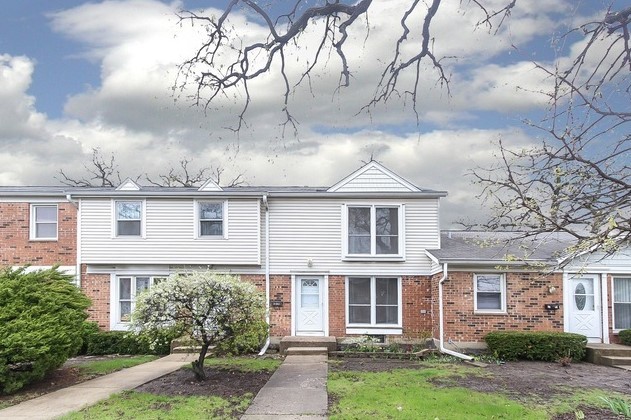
78	240
267	280
440	319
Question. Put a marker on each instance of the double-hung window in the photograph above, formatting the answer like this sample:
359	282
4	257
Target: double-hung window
128	218
210	215
43	222
129	287
489	293
373	301
373	230
621	303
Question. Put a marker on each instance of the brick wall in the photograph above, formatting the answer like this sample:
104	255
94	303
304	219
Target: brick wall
337	306
280	318
97	288
526	293
17	249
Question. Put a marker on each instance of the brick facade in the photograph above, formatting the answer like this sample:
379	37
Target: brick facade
97	288
526	294
16	248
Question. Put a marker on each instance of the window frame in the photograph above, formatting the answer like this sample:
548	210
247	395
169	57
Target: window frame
615	328
373	255
373	327
117	322
33	222
502	309
115	220
198	221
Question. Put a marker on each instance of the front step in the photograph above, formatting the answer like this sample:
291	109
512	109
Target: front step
615	360
299	341
307	351
609	354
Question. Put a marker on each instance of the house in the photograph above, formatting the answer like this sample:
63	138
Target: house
363	256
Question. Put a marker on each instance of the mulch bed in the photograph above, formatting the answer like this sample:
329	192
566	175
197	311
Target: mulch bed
219	382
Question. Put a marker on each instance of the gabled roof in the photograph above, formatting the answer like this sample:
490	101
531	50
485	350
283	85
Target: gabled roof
503	248
128	185
373	177
210	185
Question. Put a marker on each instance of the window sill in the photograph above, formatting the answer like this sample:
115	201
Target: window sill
43	239
476	312
368	330
386	258
211	238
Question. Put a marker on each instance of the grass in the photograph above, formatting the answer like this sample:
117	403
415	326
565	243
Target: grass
103	367
407	393
139	405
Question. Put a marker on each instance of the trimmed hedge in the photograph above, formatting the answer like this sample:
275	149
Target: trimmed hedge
536	345
625	337
124	342
41	318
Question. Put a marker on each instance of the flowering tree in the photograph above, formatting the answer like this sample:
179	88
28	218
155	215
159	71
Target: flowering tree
209	307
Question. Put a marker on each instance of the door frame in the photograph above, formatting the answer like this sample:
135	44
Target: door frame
600	303
325	300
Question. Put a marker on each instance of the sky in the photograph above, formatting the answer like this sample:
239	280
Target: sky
78	75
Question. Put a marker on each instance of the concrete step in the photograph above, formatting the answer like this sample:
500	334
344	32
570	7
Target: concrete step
307	351
615	360
627	367
300	341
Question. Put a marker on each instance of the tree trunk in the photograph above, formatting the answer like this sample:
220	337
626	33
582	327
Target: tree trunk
198	365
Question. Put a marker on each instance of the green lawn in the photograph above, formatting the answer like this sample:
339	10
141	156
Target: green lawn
141	405
409	393
103	367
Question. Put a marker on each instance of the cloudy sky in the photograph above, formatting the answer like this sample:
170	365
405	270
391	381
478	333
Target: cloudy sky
77	75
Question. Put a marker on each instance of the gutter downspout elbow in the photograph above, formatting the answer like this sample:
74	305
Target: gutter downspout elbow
441	319
267	279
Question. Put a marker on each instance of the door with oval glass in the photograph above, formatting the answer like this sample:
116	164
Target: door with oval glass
309	305
585	307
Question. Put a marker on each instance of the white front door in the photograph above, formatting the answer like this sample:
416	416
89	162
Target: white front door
309	305
584	306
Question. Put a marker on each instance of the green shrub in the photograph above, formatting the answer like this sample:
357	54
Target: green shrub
88	330
124	342
535	345
40	324
625	337
247	339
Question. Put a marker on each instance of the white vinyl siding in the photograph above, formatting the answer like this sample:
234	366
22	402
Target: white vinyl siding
44	224
170	235
303	230
372	180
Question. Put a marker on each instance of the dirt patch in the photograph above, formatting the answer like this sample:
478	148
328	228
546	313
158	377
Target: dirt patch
220	382
521	381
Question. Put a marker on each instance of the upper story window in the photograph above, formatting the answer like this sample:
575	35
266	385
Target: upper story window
128	218
489	293
43	222
374	230
211	219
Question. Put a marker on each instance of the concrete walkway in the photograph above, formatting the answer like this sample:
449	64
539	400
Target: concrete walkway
297	390
90	392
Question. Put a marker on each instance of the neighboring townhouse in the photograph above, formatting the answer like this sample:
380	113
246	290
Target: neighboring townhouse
362	257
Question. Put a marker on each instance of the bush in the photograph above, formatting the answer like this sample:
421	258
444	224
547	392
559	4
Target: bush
534	345
248	338
625	337
88	330
40	324
124	342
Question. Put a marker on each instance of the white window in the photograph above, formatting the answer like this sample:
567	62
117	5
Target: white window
210	219
128	288
622	303
43	222
373	301
373	230
128	218
489	293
